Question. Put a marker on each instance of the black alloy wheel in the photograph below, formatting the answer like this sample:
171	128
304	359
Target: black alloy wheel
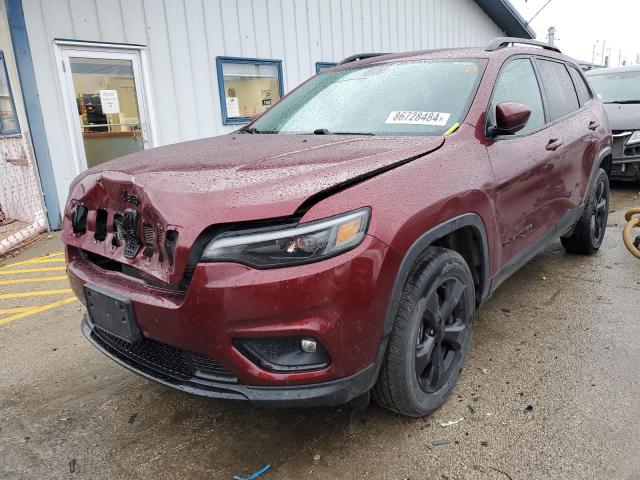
588	233
444	321
431	335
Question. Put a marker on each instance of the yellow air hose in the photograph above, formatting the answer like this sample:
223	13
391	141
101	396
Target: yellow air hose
627	236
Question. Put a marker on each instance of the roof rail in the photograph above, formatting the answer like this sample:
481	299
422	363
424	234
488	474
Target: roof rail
359	56
503	42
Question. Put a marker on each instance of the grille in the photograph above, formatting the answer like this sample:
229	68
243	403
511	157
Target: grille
148	240
169	361
159	238
620	149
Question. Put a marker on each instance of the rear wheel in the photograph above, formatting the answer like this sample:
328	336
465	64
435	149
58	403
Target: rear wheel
588	233
430	337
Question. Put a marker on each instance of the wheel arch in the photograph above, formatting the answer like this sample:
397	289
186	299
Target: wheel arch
449	234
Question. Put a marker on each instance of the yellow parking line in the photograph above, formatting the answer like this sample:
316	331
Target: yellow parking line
34	310
29	270
43	259
14	310
37	293
36	261
33	280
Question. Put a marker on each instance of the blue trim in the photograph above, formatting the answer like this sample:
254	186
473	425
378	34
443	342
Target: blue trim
24	63
13	103
322	65
250	61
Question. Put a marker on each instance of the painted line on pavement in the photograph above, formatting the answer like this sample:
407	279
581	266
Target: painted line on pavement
29	270
37	293
33	280
5	311
50	258
34	310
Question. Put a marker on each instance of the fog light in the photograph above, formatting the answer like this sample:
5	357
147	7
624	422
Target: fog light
284	354
308	345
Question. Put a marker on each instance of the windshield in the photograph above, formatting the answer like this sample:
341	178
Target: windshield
415	98
617	87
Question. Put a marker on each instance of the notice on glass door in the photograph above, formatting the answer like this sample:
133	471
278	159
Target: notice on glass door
109	101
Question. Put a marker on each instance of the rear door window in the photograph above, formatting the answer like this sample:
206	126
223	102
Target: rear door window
517	82
584	95
561	95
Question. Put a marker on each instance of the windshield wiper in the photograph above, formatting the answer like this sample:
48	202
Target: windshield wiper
324	131
623	102
251	130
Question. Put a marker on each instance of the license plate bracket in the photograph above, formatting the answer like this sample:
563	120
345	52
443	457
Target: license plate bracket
112	312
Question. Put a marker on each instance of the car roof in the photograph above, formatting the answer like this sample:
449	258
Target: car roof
499	54
604	71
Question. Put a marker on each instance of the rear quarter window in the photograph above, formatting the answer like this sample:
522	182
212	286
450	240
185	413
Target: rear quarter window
584	95
558	86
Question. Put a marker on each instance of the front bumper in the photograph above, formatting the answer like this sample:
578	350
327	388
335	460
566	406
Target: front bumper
326	394
341	302
626	158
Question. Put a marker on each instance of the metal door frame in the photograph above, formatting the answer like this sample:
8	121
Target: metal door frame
137	56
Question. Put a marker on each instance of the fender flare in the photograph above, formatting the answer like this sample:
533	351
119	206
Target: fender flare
608	150
425	241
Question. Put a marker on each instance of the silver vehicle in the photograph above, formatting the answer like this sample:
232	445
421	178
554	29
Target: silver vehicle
619	89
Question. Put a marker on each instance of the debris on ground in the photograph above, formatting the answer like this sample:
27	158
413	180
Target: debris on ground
253	475
437	443
451	422
132	418
472	411
484	443
528	409
72	466
483	370
316	458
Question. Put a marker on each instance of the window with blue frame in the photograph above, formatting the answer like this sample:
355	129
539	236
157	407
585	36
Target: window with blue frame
8	118
322	65
248	87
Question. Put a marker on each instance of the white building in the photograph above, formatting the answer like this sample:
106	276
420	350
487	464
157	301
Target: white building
100	78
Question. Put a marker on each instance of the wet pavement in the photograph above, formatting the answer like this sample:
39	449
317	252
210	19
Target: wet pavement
550	390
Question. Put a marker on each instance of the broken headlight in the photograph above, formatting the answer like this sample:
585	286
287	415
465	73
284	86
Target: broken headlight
286	246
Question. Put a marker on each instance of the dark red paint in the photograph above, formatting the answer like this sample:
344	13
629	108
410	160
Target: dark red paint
519	187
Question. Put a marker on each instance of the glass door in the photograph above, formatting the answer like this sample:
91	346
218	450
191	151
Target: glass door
105	102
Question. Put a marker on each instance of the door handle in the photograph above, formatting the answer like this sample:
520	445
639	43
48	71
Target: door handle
554	144
593	125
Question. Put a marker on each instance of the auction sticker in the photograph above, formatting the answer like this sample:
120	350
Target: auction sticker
438	119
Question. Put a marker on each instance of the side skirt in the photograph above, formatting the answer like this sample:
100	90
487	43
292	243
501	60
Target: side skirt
564	226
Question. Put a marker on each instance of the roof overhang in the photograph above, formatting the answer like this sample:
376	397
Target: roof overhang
505	15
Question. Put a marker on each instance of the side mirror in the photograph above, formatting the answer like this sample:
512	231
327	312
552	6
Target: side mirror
511	117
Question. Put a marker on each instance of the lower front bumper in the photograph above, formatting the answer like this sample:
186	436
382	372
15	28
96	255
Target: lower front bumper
327	394
620	170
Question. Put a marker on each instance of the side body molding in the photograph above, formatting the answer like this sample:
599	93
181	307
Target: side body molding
423	242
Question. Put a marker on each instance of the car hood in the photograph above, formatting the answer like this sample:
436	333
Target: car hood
188	187
623	117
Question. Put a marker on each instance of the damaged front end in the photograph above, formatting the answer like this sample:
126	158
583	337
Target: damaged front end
112	223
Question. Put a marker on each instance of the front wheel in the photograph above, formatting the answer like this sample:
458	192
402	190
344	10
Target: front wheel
588	233
430	337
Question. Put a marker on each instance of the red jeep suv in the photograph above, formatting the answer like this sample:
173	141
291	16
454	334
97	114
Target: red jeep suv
342	242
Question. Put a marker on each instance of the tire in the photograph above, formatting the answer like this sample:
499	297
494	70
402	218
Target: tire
588	233
424	339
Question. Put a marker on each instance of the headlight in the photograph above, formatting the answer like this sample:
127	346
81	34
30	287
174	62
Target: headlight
634	138
282	247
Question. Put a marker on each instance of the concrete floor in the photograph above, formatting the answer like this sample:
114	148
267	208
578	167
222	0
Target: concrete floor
560	337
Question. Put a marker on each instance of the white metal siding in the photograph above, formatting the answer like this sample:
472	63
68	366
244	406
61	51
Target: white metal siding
184	37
